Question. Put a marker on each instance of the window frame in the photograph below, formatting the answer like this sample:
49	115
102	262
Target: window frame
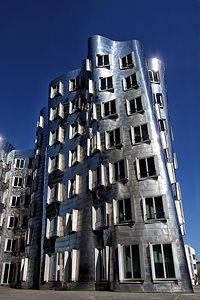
76	131
97	222
12	246
107	138
156	166
18	200
91	115
10	277
175	262
137	78
126	171
94	148
72	221
76	160
102	263
131	65
56	112
75	105
92	175
71	265
73	186
152	74
15	222
133	133
57	136
116	211
56	190
103	58
51	267
58	163
110	115
56	90
165	209
107	89
53	227
75	83
128	106
20	162
159	96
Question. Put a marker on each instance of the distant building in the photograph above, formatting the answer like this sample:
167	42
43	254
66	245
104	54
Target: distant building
104	207
192	264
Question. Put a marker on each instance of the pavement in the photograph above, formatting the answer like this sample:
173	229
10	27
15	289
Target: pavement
7	293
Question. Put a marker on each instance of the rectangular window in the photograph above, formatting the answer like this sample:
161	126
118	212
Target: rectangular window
10	245
19	163
147	167
155	208
74	129
13	222
106	83
55	193
101	264
100	217
131	81
127	61
24	222
56	163
91	115
40	123
163	125
103	60
114	138
57	136
73	186
8	272
75	84
118	171
158	98
74	156
28	236
154	76
56	90
21	244
28	180
71	265
123	211
134	105
72	221
140	133
162	261
96	177
30	162
52	263
130	262
94	144
57	112
110	109
54	227
15	201
75	105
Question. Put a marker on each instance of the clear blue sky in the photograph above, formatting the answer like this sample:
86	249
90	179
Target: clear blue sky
42	39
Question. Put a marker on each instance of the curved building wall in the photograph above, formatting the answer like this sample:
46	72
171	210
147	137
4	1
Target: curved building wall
106	156
6	146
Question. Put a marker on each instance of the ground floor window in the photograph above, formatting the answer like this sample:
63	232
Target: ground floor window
8	272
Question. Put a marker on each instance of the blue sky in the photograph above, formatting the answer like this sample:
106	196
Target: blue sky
43	39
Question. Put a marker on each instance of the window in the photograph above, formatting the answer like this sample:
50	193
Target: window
140	133
19	163
30	162
118	171
55	193
114	138
56	163
13	222
167	154
24	222
40	123
163	125
17	181
73	186
171	172
110	109
164	261
54	227
127	61
155	208
194	257
72	221
90	88
51	267
94	144
26	200
106	83
134	105
123	211
21	244
57	112
130	262
147	167
101	264
38	142
75	84
28	180
74	156
103	60
96	177
1	219
10	245
71	265
56	90
74	129
100	217
154	76
57	136
179	210
91	115
158	98
7	273
28	236
32	209
131	81
15	201
75	105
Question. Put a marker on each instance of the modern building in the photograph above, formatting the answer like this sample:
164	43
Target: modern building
192	264
105	209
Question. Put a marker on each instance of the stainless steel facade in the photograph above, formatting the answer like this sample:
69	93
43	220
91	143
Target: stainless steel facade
108	203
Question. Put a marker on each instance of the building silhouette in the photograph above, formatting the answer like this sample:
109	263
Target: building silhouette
103	206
